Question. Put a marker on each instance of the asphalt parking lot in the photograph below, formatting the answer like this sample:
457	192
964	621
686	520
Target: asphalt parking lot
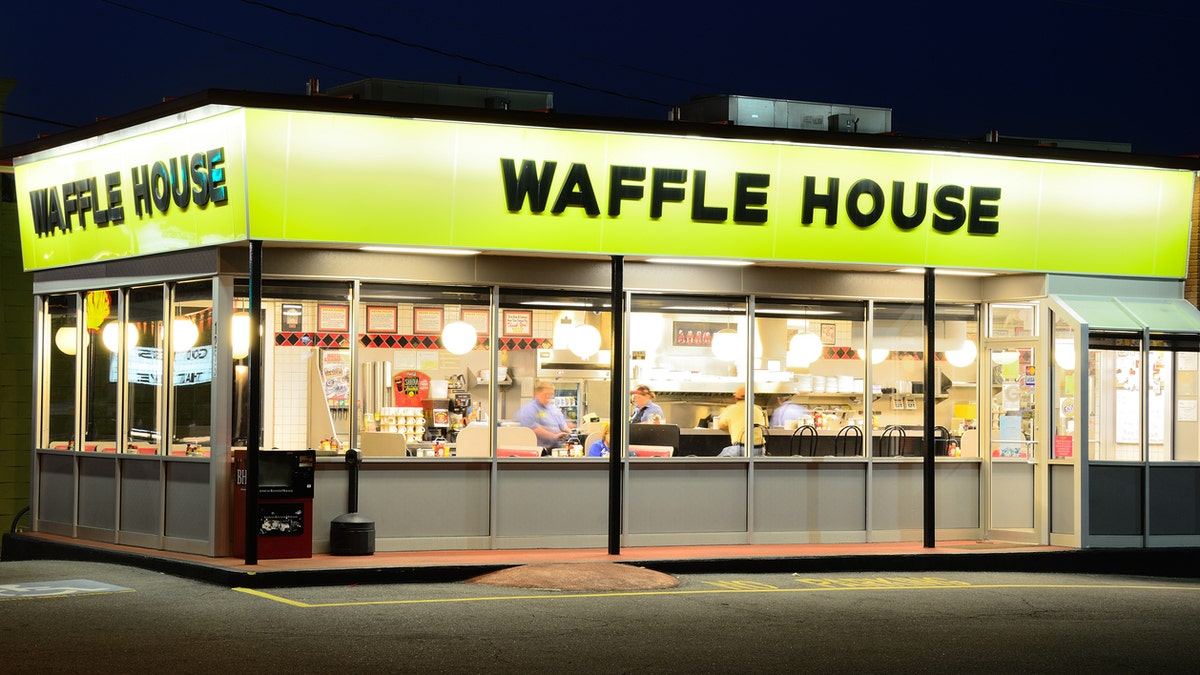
843	622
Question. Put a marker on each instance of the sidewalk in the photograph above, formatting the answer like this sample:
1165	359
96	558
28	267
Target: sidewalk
454	566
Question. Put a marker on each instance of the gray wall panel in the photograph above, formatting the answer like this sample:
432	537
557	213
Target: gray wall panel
540	497
687	497
141	496
56	489
1012	495
796	497
188	500
98	492
1062	499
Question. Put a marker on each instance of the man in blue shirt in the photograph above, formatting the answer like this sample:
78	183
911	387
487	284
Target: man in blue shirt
547	421
786	411
644	407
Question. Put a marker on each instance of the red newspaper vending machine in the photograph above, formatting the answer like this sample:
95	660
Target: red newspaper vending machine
285	495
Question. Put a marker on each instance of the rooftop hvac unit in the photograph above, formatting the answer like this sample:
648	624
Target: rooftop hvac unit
844	122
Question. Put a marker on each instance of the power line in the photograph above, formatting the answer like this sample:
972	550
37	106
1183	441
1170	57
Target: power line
538	45
223	36
33	118
453	55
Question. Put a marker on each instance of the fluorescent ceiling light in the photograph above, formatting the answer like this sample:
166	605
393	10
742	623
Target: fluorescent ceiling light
555	303
425	251
700	261
701	308
797	312
946	272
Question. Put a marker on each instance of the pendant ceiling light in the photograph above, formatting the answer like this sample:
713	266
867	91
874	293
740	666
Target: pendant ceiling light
459	337
184	334
64	339
585	341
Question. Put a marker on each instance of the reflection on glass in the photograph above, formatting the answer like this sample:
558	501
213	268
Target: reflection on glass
100	377
1066	429
192	368
58	426
144	369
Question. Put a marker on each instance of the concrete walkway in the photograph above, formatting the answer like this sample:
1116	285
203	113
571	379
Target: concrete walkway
448	566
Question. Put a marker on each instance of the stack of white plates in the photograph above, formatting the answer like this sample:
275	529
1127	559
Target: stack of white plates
804	382
818	384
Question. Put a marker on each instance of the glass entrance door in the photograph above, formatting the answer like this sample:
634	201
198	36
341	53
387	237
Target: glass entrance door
1014	420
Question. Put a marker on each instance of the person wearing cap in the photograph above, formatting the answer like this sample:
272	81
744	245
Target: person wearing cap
644	407
733	418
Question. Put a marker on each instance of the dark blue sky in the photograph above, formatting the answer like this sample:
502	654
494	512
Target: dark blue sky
1102	70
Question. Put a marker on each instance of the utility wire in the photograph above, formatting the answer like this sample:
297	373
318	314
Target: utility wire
582	57
233	39
453	55
10	113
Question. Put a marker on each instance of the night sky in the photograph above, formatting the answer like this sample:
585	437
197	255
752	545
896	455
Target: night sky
1098	70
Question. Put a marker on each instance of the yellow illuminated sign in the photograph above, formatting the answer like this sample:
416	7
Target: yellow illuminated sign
156	191
320	177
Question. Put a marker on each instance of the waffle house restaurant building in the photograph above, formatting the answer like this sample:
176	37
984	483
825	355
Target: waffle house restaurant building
418	271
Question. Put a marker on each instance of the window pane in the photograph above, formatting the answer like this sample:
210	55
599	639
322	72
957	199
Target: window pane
145	370
811	376
107	336
557	346
191	379
1064	356
424	369
1115	392
58	427
1014	319
1173	396
1014	406
691	353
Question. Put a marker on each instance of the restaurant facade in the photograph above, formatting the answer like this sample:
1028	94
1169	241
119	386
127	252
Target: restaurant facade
230	277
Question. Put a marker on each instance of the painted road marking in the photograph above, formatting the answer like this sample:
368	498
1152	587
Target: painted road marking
43	589
849	584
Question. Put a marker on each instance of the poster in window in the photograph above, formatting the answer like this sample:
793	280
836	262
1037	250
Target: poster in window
427	320
518	323
381	319
333	318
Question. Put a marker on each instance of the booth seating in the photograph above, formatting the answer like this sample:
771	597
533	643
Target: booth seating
473	441
517	442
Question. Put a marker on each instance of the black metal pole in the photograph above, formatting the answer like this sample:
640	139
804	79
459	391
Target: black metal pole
616	424
930	315
254	391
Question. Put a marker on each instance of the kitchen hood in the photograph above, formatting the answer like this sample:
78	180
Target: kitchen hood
557	364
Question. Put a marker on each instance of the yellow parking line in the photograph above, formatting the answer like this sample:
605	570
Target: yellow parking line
708	591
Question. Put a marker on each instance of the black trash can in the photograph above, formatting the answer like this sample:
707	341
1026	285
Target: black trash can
352	534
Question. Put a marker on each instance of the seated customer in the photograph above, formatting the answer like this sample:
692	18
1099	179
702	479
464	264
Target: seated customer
600	447
733	418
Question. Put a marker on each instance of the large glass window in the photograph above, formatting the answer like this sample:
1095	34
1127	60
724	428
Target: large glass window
810	376
424	368
59	398
1175	395
107	336
192	366
1115	396
145	370
556	348
691	356
898	358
